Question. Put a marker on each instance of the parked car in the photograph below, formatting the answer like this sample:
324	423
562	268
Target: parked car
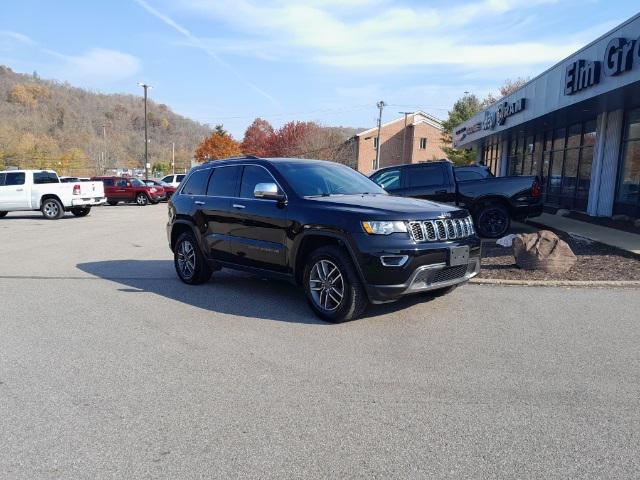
24	190
493	201
321	225
174	180
121	189
168	189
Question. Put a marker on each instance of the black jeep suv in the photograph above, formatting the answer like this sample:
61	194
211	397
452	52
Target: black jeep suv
320	225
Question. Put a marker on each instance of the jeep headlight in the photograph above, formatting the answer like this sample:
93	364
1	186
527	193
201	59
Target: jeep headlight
384	228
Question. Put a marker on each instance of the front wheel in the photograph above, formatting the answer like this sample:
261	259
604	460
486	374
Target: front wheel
141	199
81	211
492	221
3	214
190	264
52	209
332	285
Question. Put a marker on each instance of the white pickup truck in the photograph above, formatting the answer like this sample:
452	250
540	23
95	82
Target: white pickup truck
22	190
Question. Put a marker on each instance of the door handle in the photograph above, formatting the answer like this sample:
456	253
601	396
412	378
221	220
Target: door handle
19	189
440	192
199	202
236	205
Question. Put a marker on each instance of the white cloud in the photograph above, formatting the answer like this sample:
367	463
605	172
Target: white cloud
97	66
8	35
378	33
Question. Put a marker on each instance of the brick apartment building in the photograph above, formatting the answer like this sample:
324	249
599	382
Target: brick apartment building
420	140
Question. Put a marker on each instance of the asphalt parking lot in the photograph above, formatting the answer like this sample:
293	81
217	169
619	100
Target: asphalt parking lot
112	368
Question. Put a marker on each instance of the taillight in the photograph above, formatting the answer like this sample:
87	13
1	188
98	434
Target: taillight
536	189
76	189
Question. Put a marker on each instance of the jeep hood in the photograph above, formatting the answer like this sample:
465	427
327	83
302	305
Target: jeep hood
381	207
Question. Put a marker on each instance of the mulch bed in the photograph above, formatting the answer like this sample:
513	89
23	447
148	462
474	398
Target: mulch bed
596	261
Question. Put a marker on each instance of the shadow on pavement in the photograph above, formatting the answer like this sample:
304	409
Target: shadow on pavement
228	292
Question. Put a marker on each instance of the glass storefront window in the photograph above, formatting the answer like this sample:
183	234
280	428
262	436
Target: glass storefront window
584	176
629	186
570	171
573	138
559	139
589	136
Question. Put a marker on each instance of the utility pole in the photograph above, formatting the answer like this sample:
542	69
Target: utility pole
173	157
380	106
146	137
404	134
104	137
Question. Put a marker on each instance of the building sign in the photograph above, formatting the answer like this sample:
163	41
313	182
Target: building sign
620	56
492	118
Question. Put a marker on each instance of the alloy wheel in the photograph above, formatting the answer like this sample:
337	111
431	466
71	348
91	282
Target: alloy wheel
186	259
51	209
326	284
493	221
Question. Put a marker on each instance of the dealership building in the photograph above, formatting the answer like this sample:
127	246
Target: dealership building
576	126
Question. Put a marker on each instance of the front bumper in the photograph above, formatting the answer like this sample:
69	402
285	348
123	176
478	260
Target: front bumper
421	267
424	279
88	201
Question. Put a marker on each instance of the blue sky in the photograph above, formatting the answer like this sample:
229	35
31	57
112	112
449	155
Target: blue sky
323	60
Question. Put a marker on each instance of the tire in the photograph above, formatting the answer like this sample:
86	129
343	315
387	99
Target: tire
3	214
81	211
52	209
332	267
189	262
492	221
113	203
142	199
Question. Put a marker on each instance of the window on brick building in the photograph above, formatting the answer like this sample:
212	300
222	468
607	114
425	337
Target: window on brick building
375	142
423	143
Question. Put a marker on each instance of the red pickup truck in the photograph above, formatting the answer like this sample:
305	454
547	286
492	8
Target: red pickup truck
121	189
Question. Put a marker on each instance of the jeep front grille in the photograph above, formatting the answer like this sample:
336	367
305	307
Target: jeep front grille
441	230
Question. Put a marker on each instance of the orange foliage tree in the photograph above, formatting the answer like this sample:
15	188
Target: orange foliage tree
218	145
257	137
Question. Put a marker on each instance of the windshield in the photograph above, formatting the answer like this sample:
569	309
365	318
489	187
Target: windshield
323	179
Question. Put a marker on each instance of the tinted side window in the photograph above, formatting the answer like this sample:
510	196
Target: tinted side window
2	176
121	183
465	175
389	179
251	176
45	177
425	176
14	178
197	183
223	181
167	179
179	178
108	182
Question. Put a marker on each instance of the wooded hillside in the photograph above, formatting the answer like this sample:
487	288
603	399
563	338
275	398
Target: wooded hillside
46	124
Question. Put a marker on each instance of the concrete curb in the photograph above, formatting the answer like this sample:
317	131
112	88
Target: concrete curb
558	283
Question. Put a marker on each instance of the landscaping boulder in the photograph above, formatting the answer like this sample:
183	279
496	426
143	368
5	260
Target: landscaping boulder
543	250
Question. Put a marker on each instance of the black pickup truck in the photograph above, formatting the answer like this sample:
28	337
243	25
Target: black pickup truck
493	201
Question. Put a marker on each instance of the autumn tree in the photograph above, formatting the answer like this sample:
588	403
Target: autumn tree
465	108
161	167
218	145
257	138
288	140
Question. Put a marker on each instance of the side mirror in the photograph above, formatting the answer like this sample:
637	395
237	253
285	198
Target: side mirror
268	191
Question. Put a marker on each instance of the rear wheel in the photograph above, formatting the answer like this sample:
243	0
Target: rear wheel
492	221
332	285
141	199
81	211
190	264
52	209
3	214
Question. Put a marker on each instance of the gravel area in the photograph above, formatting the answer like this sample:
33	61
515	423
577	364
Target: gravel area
596	261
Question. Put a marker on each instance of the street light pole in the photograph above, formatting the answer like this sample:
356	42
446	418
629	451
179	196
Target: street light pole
380	106
146	137
173	157
404	135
